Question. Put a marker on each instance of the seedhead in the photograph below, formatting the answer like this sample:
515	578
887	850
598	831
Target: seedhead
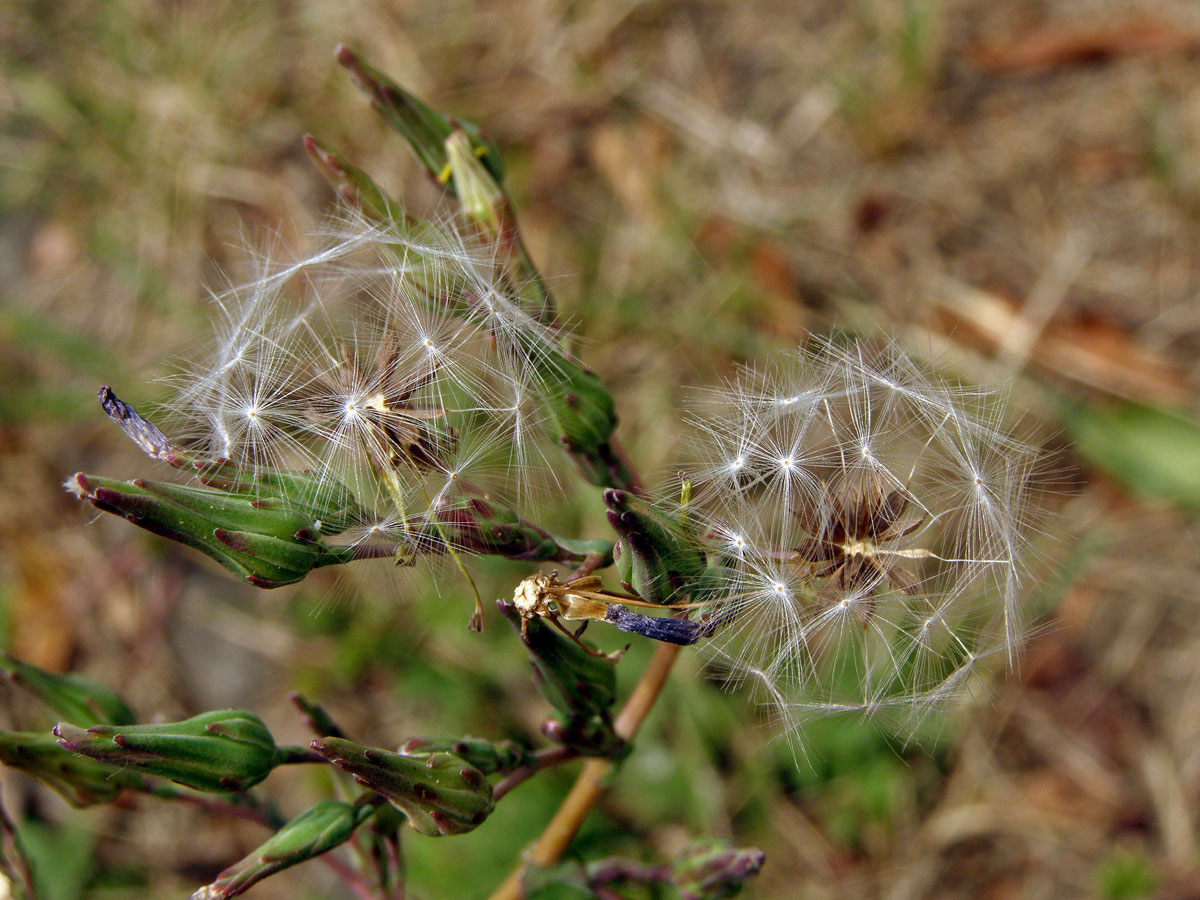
870	521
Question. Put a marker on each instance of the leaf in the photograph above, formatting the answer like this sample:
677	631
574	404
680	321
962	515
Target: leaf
1153	452
61	856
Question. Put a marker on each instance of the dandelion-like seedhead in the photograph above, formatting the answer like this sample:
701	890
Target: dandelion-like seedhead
397	361
868	520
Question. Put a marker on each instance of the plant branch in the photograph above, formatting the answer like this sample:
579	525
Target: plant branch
14	863
354	881
250	810
590	564
289	755
589	784
543	759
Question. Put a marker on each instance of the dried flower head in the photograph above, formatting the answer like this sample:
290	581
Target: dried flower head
869	520
398	361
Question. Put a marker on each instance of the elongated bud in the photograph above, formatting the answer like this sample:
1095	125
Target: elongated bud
471	173
710	870
577	404
79	780
317	830
352	184
580	686
483	525
260	540
480	194
324	505
656	554
441	793
221	750
582	414
488	757
421	125
573	681
74	698
315	715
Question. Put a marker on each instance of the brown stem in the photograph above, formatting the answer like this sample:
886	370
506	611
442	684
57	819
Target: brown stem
13	860
548	848
215	806
621	466
373	551
543	759
353	880
392	847
590	564
291	755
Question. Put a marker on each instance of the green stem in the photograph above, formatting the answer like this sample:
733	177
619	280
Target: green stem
292	755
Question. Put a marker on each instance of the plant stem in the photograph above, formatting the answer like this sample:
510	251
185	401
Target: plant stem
289	755
396	862
249	809
544	759
353	880
589	784
14	863
624	474
590	564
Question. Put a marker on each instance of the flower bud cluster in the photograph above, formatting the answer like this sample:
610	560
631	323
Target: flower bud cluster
397	363
866	522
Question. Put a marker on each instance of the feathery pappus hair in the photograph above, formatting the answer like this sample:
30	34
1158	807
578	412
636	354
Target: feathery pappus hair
869	521
398	361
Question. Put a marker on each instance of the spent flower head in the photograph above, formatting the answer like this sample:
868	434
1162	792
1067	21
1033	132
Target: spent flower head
869	521
397	361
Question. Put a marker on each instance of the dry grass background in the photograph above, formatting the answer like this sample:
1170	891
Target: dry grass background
1012	188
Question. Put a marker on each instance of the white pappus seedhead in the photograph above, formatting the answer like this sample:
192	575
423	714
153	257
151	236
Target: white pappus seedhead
870	521
397	361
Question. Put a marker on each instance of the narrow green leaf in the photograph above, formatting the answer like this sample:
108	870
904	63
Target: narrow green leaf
1153	452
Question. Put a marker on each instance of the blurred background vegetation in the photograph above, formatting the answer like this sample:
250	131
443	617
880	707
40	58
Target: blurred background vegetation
1010	189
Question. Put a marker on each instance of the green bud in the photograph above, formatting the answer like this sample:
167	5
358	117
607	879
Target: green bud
573	681
486	206
352	184
316	716
485	526
421	125
482	200
488	757
580	410
322	506
656	554
79	780
440	793
74	698
587	737
317	830
262	540
711	870
582	687
457	156
326	506
580	406
221	750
